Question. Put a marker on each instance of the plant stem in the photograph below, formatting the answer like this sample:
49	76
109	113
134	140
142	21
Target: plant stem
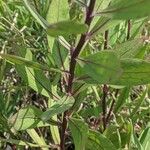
77	50
106	40
88	20
128	29
104	106
110	111
105	88
63	135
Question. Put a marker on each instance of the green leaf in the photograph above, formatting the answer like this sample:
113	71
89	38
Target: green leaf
93	111
59	107
103	24
54	129
129	49
126	133
101	4
144	138
54	16
34	78
137	27
128	9
58	11
139	103
136	142
37	139
22	61
66	28
22	143
104	66
135	72
99	22
27	118
124	94
60	56
79	131
97	141
35	14
4	123
112	133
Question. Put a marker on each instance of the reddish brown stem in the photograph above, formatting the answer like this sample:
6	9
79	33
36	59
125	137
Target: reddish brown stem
88	20
77	50
63	135
105	88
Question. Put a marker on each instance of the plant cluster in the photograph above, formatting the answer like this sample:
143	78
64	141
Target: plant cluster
74	74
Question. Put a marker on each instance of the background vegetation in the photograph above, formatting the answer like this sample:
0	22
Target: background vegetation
74	74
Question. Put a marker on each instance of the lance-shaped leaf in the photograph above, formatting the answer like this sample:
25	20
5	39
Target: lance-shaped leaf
79	131
59	28
135	72
127	9
59	107
121	100
58	11
66	28
138	103
97	141
35	14
104	67
54	16
144	138
27	118
23	143
22	61
103	24
39	139
34	78
129	49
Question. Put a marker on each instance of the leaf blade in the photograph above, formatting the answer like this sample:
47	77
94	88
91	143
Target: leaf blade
127	9
27	118
59	107
65	28
97	141
103	66
79	131
135	72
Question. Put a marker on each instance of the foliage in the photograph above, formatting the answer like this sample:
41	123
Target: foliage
74	74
